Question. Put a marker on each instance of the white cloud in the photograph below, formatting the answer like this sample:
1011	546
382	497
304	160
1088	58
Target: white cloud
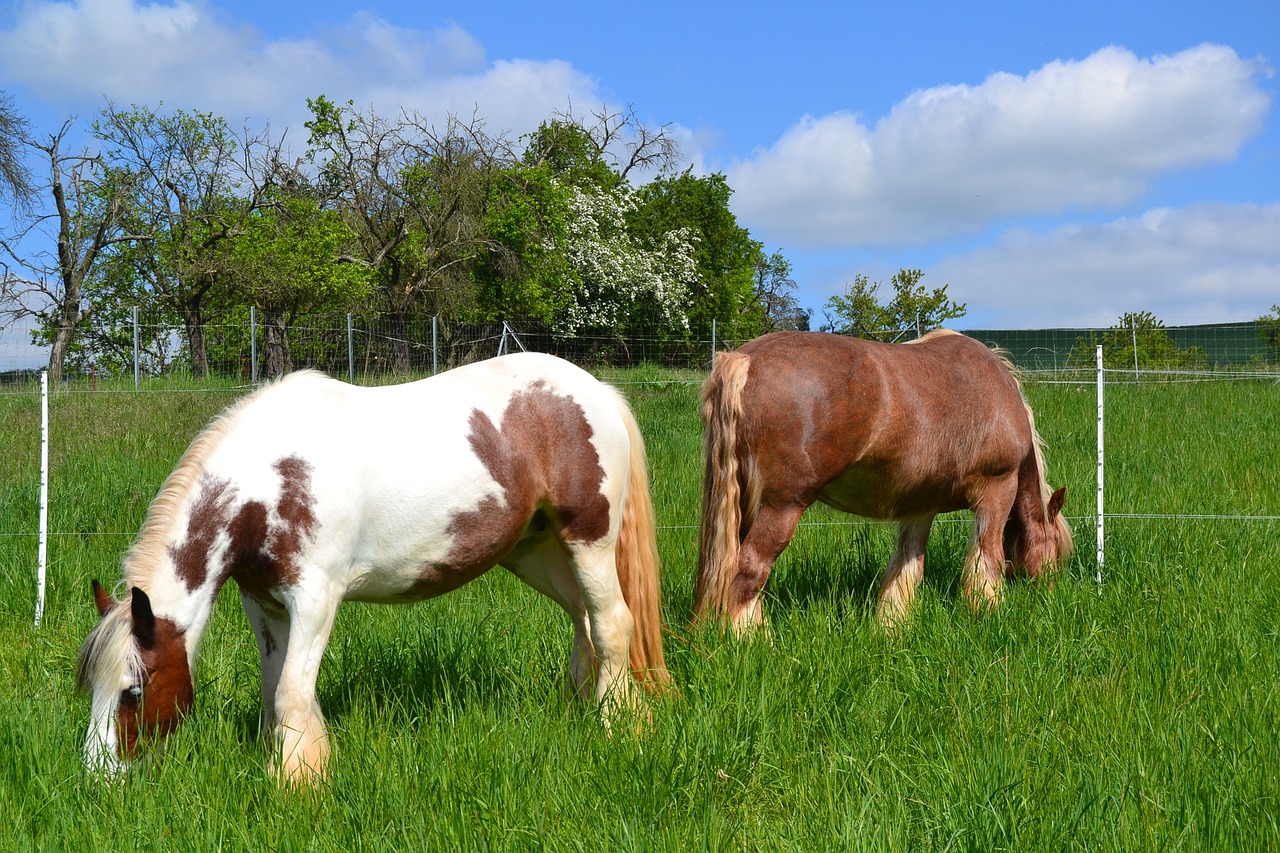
952	159
185	55
1201	264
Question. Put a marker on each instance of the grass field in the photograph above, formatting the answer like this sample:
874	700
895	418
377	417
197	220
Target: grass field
1139	714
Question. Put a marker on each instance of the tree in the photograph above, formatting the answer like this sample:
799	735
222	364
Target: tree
15	178
911	312
106	339
523	275
555	251
727	259
86	219
775	294
1269	332
1137	340
286	263
194	185
620	284
606	150
413	197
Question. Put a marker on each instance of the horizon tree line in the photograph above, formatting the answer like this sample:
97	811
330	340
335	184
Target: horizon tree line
587	225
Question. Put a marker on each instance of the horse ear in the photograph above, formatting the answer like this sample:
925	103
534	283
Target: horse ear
101	598
1056	500
144	620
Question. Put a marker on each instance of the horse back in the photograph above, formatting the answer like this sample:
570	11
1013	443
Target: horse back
407	491
881	430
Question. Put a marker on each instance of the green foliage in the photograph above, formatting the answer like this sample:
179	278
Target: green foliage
287	262
1137	340
1269	332
726	256
570	153
451	222
289	259
911	311
522	275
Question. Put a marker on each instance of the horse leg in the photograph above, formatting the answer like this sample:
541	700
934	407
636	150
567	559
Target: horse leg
271	627
984	567
770	533
300	733
906	568
544	565
609	621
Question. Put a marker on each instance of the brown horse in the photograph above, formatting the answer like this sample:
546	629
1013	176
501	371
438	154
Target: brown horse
887	431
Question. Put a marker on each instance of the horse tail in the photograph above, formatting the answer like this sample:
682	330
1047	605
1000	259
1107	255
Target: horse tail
729	489
638	566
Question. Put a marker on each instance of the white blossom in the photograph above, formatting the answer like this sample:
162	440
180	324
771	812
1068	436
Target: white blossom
617	276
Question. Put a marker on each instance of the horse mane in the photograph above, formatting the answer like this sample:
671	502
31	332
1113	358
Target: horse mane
939	332
109	651
1062	530
147	551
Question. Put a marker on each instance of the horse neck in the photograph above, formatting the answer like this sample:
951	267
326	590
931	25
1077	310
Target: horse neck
172	599
1029	514
169	537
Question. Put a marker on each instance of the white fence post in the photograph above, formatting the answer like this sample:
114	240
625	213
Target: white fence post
1101	458
43	547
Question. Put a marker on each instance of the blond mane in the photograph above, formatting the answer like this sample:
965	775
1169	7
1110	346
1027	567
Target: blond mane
1062	531
109	651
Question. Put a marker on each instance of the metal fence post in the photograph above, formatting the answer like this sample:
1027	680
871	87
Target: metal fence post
253	345
713	343
1134	325
137	367
435	359
351	352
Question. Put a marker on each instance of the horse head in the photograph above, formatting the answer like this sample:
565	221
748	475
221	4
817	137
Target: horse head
136	668
1036	546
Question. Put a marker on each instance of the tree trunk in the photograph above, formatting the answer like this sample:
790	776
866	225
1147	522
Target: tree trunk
401	360
279	360
193	320
69	317
61	343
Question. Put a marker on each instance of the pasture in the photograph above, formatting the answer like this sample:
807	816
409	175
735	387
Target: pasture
1139	714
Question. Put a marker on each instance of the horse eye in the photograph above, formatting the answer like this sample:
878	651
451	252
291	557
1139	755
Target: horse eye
132	695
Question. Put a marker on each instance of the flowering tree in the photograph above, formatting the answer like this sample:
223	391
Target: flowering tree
619	283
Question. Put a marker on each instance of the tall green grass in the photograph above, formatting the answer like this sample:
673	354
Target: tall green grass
1136	714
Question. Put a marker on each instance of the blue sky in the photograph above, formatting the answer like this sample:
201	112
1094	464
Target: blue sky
1052	165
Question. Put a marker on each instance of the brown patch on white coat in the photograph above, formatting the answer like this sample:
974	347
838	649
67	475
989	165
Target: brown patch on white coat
156	688
573	523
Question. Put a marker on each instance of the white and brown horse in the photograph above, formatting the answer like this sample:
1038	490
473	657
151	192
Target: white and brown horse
311	492
886	431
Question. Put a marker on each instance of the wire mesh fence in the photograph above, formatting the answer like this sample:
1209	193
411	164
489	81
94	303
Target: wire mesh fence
374	350
245	349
